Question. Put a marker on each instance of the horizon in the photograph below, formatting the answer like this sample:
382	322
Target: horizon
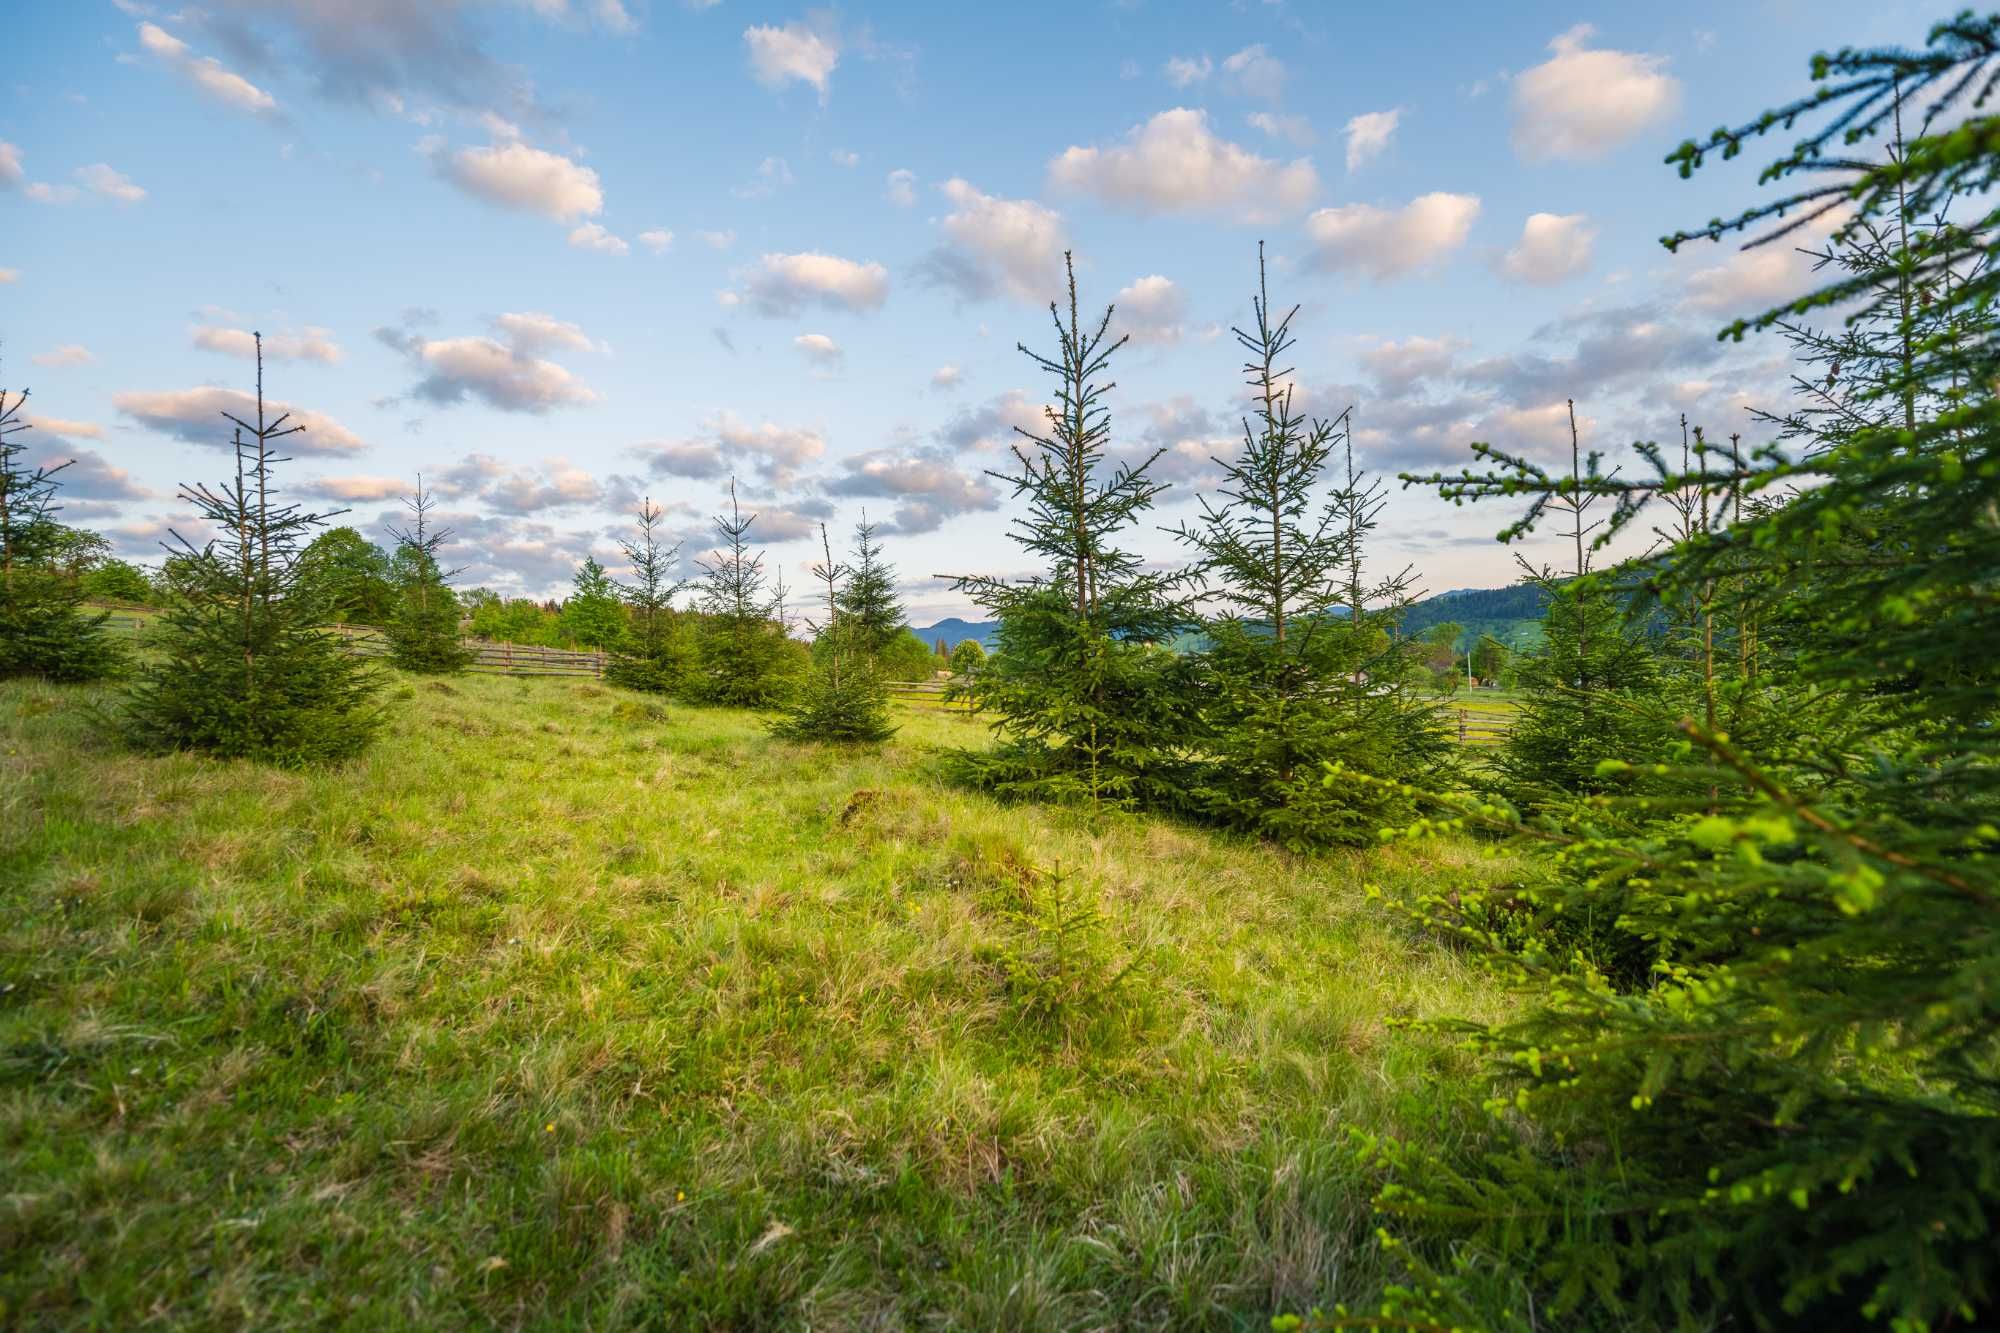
472	253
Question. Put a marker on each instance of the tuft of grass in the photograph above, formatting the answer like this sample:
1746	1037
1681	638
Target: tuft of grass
559	1009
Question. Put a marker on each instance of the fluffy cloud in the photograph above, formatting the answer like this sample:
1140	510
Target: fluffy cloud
728	443
995	425
1385	243
12	175
90	476
946	378
657	239
196	415
819	349
205	72
69	354
592	236
1553	247
1580	104
1368	135
1151	310
793	53
311	345
116	186
783	285
717	240
505	372
528	180
1293	129
99	178
902	191
997	245
1396	367
1254	72
1185	71
60	428
1175	164
927	486
357	487
558	484
1749	281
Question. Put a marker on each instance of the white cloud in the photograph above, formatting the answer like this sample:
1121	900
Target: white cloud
657	239
793	53
819	349
1553	248
779	450
358	487
1151	310
529	180
69	354
843	157
12	174
1011	245
1397	366
1182	71
1388	243
531	332
1368	135
311	345
206	72
947	377
99	178
1580	104
927	486
783	285
1749	281
592	236
1175	164
9	275
195	415
1254	72
902	191
717	240
560	484
500	376
62	428
1293	129
773	174
44	193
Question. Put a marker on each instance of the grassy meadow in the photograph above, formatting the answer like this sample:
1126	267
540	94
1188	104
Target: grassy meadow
559	1009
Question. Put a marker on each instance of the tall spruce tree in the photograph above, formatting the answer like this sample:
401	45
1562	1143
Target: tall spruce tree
844	698
44	630
424	633
867	598
657	656
1087	707
1279	675
1794	1121
244	664
745	658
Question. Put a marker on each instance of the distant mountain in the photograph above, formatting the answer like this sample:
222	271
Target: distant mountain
955	631
1513	615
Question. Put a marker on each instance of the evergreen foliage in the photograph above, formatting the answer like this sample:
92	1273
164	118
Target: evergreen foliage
593	615
350	576
424	632
244	666
843	698
1284	676
657	656
1086	707
745	659
868	598
1792	1119
43	629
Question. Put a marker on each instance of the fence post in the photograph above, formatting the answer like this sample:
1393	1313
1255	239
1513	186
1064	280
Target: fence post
1461	726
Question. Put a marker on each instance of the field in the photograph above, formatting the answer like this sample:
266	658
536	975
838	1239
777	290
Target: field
556	1009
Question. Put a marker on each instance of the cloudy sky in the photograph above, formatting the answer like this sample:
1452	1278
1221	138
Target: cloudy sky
560	254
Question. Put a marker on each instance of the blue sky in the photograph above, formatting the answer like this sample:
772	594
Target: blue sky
558	254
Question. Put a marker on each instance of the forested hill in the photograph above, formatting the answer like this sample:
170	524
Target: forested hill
1513	615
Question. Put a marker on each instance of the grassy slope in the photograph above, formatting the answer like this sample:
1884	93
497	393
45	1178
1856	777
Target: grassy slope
547	1013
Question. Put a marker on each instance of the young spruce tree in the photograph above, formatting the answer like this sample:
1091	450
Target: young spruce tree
245	666
423	633
867	598
745	658
656	657
1795	1121
1279	675
844	698
43	629
1087	707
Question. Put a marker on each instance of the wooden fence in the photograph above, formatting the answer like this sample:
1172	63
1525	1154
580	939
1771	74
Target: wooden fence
488	656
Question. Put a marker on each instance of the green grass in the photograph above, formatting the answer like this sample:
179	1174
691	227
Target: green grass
553	1011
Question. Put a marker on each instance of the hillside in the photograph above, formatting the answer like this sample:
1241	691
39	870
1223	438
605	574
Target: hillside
1512	615
557	1008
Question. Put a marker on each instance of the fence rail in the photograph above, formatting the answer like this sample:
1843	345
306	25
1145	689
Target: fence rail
489	657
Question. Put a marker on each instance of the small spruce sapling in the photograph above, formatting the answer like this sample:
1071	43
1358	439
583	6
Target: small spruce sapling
424	633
